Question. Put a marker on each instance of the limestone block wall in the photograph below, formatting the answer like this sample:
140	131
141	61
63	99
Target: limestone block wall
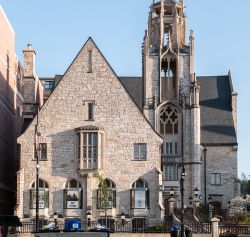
151	74
218	160
195	148
123	125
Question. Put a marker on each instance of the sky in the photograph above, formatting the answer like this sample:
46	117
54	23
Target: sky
57	29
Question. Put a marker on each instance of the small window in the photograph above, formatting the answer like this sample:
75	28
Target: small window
215	179
42	151
48	85
175	148
171	173
90	61
171	147
90	111
140	151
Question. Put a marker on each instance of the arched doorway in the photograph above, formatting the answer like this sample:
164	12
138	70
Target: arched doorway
216	208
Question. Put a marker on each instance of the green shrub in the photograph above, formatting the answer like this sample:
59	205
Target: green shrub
203	211
157	229
247	219
228	235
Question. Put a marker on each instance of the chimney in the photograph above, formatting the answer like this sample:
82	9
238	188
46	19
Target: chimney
29	55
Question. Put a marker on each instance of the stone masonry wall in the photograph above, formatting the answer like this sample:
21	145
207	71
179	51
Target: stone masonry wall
115	113
218	158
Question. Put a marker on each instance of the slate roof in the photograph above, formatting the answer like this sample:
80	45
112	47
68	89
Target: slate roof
217	126
134	87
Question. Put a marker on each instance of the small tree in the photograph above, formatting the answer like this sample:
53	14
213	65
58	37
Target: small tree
244	184
104	195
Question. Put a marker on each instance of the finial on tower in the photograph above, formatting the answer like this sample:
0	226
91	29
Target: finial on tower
191	42
191	34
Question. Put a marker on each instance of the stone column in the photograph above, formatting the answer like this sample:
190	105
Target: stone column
89	189
215	227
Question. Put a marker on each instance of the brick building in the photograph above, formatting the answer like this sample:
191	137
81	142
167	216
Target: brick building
20	90
11	100
137	132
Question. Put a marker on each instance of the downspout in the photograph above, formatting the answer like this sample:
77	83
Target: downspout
205	174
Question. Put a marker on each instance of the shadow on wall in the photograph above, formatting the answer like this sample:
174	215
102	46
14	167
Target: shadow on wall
63	154
8	161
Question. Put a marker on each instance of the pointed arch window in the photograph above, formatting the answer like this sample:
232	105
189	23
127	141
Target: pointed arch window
139	195
169	120
73	195
43	195
106	195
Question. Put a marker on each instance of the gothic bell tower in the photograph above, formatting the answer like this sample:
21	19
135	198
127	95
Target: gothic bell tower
171	92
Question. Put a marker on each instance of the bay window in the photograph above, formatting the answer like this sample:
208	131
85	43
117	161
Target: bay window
89	147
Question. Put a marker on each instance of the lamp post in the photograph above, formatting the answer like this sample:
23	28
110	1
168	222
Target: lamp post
88	215
55	217
183	175
190	199
196	192
171	192
210	207
195	201
123	217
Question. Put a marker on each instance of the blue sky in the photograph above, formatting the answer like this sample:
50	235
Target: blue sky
57	30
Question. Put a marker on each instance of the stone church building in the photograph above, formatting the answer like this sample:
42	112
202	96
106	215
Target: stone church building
137	132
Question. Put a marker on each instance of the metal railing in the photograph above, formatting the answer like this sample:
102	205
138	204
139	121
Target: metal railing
113	226
200	227
234	229
27	227
144	227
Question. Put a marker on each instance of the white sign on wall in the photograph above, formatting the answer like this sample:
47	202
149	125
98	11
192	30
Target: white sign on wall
140	199
41	199
72	199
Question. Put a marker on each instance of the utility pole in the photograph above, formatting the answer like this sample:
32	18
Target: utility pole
37	148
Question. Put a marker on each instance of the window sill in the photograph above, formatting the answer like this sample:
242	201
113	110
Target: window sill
98	209
138	160
40	159
146	208
65	208
215	184
38	208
